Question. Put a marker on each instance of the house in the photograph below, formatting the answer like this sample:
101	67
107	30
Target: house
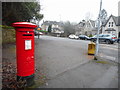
56	27
86	27
45	25
79	28
119	8
119	18
111	26
91	27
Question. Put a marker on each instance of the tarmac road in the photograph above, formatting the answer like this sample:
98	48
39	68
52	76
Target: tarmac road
66	64
60	54
109	51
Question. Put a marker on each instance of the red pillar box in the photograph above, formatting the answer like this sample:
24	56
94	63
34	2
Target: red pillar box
25	51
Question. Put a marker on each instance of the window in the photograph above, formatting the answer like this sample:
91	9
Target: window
109	24
112	24
113	32
108	32
100	35
106	35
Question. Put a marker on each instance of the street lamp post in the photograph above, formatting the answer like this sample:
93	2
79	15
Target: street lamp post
97	41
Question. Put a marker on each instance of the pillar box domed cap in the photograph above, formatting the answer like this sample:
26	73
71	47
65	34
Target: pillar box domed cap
24	24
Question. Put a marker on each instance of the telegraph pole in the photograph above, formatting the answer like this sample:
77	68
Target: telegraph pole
97	41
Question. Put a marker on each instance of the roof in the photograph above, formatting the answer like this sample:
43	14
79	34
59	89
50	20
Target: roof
52	22
116	20
83	23
56	29
110	29
93	23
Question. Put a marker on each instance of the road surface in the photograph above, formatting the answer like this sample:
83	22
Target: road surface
61	53
66	64
109	51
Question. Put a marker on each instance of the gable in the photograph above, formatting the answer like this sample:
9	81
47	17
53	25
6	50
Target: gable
114	19
90	24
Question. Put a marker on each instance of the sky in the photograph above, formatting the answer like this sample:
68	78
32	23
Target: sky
76	10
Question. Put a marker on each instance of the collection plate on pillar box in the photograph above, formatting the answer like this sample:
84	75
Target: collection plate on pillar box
28	45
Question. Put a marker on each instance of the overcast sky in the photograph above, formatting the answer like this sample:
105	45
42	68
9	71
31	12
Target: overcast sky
76	10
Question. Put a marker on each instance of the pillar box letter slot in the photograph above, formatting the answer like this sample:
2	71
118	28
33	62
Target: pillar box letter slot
25	51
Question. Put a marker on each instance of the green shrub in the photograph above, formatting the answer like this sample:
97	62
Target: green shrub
90	35
42	31
6	27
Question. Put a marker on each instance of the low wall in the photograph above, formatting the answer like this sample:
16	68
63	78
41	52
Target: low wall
8	36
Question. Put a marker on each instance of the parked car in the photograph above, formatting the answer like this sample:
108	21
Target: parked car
84	37
38	33
108	38
118	40
35	33
72	36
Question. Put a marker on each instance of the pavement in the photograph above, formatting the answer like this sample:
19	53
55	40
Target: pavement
89	75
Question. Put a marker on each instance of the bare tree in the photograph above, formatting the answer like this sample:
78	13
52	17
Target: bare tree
68	28
88	16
